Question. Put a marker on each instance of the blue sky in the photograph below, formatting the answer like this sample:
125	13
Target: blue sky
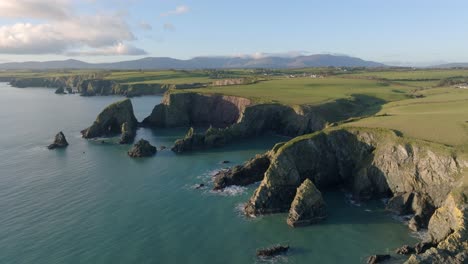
415	32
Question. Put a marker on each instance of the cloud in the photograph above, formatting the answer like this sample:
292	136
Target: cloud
182	9
62	32
119	49
169	27
35	9
145	26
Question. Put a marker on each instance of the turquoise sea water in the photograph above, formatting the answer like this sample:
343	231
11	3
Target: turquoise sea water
91	203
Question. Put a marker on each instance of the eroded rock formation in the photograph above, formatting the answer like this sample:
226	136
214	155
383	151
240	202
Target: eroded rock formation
59	142
117	118
308	206
252	171
376	163
142	149
231	118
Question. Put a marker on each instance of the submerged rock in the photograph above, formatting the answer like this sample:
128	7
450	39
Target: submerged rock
272	251
60	90
142	149
308	206
59	142
404	250
252	171
377	259
199	186
117	118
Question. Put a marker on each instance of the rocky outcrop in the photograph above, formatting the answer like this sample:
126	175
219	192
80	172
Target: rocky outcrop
60	90
231	118
412	203
370	162
192	109
374	259
374	163
252	171
59	142
117	118
448	233
272	251
95	84
308	206
236	81
142	149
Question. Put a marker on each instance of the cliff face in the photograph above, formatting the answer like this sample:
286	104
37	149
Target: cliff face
375	163
191	109
370	162
230	118
89	85
117	118
233	118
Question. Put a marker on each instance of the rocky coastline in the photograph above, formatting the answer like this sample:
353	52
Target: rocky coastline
91	85
427	180
421	178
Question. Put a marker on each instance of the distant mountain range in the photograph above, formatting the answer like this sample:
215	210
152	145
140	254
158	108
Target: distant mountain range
451	65
158	63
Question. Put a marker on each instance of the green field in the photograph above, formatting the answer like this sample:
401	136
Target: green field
442	116
300	91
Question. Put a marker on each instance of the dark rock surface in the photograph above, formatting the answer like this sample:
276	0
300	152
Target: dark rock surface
272	251
59	142
405	250
308	206
60	90
252	171
377	259
117	118
142	149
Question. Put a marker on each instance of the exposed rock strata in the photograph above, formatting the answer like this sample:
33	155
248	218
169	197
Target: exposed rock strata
376	163
59	142
142	149
90	85
252	171
231	118
308	206
117	118
192	109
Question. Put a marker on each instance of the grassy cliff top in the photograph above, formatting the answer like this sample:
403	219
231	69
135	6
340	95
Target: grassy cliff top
310	91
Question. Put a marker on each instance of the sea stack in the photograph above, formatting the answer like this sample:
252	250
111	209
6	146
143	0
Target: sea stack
117	118
308	206
59	142
142	149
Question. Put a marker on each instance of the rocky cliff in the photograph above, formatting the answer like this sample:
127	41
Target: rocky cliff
192	109
232	118
91	85
374	163
117	118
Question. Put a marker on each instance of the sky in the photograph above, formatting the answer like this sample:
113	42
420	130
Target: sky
409	32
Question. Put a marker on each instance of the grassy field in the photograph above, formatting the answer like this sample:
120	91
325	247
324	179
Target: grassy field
298	91
407	74
442	116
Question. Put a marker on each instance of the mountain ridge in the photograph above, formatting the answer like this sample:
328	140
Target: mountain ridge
160	63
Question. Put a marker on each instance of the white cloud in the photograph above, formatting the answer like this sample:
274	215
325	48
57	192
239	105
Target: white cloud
169	27
145	26
36	9
182	9
62	31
